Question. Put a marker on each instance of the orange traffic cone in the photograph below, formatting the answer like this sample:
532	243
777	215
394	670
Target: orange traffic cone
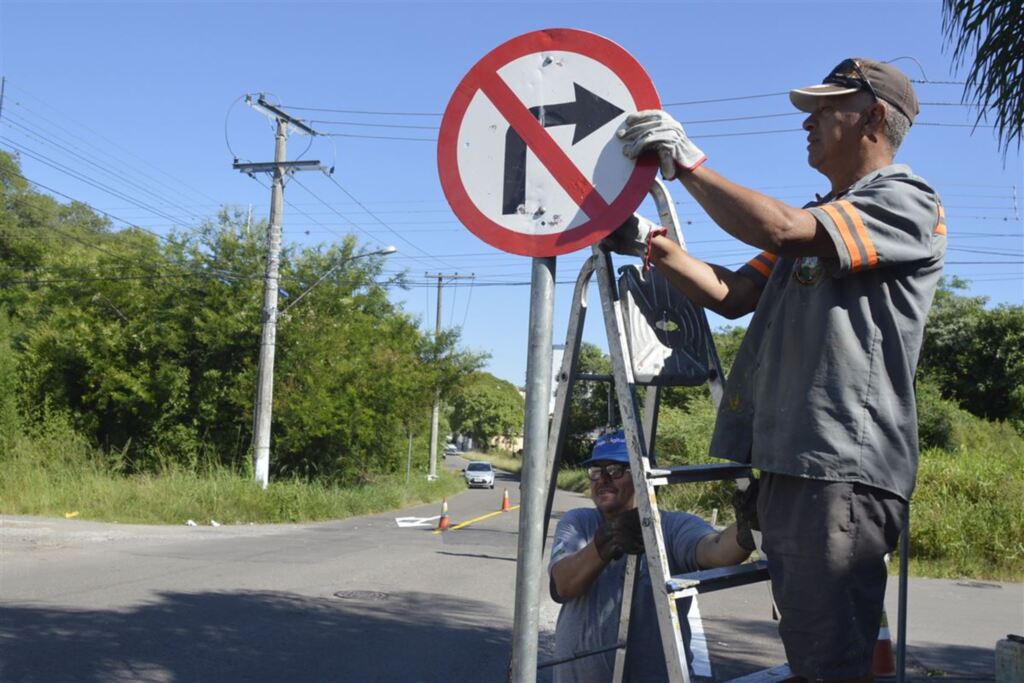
443	523
505	507
883	664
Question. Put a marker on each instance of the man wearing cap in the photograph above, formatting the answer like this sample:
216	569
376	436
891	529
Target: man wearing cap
588	564
821	395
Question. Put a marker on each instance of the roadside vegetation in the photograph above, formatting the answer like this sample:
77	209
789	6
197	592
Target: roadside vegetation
128	366
128	369
967	518
53	472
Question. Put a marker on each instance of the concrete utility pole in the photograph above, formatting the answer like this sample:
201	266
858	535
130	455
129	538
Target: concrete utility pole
265	383
435	413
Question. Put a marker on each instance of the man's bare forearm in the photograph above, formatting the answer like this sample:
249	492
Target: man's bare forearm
757	219
573	574
720	550
710	286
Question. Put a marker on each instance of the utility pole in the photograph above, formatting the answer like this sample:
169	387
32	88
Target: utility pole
278	169
434	416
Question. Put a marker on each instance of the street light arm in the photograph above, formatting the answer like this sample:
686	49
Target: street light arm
381	252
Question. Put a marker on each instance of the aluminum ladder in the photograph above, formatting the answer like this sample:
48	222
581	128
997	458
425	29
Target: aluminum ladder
656	338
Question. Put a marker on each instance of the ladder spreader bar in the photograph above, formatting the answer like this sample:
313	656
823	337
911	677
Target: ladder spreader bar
688	474
580	655
708	580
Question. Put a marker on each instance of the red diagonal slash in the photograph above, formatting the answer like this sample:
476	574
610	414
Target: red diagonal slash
553	157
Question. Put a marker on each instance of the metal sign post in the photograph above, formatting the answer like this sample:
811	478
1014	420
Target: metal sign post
529	162
533	483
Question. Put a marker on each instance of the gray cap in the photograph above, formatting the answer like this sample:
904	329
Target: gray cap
884	81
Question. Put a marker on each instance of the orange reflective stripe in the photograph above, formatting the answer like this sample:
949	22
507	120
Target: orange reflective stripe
844	232
759	266
940	226
770	257
862	232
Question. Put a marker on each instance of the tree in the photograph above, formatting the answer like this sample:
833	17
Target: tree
994	31
150	345
485	407
589	408
976	355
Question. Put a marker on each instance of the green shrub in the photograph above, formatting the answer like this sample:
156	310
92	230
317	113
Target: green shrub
934	417
10	420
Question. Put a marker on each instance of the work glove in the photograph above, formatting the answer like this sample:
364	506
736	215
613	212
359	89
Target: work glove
620	535
744	503
633	238
655	130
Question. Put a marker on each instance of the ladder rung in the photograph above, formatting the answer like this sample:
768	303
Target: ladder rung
592	377
688	474
773	675
708	580
580	655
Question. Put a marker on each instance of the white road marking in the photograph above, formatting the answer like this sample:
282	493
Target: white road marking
416	521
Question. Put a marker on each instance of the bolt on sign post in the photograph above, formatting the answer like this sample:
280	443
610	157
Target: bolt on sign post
530	164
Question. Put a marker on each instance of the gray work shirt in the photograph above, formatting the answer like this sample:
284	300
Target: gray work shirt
823	383
592	620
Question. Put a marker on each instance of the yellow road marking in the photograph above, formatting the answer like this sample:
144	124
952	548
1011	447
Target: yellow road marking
476	519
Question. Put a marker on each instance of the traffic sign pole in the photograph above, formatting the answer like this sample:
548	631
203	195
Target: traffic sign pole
515	176
533	495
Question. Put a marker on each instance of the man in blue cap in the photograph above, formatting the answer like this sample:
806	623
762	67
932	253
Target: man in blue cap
588	564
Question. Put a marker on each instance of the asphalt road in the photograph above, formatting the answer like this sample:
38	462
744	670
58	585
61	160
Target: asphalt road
362	599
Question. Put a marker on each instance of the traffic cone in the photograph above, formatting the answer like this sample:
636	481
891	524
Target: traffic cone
883	664
443	523
505	507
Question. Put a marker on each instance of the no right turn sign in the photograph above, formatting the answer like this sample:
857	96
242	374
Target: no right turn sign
527	151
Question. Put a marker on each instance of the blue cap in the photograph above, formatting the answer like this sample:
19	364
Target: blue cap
609	447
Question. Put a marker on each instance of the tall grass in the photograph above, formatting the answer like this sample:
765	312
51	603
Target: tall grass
53	472
966	514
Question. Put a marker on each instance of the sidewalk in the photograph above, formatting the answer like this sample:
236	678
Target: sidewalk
953	625
952	628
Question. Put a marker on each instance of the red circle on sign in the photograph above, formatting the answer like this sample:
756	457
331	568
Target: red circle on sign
605	217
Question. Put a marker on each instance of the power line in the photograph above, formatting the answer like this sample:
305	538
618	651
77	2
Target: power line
218	271
56	165
109	142
384	224
108	172
361	111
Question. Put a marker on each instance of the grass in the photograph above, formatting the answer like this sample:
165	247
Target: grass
966	514
82	483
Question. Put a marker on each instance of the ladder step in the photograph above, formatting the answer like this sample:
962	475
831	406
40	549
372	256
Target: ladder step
708	580
773	675
580	655
688	474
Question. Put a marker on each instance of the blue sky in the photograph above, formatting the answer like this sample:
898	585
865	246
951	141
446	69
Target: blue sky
140	97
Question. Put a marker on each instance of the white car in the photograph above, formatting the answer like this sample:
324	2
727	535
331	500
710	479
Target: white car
479	473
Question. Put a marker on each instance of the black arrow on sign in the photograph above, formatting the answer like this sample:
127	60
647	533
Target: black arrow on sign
588	113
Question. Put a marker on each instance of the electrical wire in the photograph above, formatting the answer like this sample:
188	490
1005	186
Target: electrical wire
385	225
94	135
56	165
217	271
35	134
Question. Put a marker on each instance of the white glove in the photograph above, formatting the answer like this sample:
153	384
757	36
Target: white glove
656	130
633	238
